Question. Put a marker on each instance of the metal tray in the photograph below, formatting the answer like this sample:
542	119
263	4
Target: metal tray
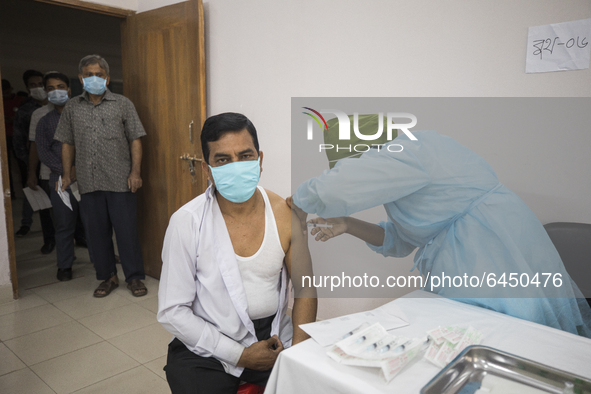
475	362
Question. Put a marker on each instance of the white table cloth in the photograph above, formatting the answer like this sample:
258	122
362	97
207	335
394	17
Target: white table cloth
305	368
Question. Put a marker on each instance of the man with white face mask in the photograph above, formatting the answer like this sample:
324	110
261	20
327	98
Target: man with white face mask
33	80
57	86
101	130
227	259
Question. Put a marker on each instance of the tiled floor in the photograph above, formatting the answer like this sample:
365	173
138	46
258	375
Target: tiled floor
58	338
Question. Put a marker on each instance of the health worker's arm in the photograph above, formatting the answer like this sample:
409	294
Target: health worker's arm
353	185
392	244
368	232
382	238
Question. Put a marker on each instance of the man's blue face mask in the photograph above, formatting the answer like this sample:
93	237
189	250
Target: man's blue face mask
58	97
95	85
237	181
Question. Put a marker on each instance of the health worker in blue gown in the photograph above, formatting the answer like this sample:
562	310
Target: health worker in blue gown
444	199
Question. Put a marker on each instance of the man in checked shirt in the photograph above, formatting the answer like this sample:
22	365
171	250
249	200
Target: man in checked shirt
101	132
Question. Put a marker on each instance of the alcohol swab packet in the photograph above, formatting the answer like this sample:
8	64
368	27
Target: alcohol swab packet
452	340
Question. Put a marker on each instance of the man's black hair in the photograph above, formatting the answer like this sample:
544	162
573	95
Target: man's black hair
31	73
62	77
6	84
215	126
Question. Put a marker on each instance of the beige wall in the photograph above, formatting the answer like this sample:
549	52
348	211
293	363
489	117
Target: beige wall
136	5
125	4
262	53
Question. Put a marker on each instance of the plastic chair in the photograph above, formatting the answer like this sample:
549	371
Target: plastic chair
573	242
249	388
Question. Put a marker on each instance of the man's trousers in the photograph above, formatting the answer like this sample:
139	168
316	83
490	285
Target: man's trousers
101	213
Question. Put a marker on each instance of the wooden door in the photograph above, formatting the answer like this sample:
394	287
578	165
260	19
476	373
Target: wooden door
7	204
164	76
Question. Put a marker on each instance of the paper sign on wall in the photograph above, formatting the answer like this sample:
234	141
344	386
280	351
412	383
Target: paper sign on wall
558	47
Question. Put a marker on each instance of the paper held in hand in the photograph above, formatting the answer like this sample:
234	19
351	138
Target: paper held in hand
38	199
64	195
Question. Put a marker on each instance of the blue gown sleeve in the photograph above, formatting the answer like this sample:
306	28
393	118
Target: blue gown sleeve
356	184
393	246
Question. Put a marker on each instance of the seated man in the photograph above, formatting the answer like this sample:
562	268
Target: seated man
226	264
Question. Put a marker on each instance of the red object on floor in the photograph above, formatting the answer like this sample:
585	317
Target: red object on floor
249	388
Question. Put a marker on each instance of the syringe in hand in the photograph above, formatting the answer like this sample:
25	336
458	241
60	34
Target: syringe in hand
323	225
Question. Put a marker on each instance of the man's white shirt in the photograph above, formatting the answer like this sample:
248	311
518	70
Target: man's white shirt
201	299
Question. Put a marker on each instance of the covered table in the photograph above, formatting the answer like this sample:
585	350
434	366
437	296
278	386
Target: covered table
306	368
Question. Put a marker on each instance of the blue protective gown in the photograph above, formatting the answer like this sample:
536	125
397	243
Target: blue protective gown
446	200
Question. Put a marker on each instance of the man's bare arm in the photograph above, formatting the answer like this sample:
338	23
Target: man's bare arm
261	355
134	181
299	263
68	153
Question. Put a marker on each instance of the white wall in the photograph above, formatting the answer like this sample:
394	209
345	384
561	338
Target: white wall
136	5
259	54
147	5
125	4
262	53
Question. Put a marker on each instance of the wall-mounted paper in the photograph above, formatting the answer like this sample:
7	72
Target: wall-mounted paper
558	47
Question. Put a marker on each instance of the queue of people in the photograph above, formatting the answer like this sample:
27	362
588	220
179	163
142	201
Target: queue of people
92	142
18	111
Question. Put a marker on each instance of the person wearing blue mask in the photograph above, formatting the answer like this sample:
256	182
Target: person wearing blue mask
227	259
33	80
446	201
49	150
101	132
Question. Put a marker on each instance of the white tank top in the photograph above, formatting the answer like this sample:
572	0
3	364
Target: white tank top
260	272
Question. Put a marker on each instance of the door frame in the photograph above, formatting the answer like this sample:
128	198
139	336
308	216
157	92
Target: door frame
92	7
77	4
8	205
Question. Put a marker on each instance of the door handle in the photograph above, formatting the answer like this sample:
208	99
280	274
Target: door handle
191	160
